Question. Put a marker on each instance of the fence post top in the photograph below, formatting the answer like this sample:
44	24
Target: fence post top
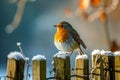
16	55
117	53
84	56
39	57
62	55
102	52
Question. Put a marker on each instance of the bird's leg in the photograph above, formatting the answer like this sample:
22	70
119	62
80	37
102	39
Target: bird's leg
71	53
80	52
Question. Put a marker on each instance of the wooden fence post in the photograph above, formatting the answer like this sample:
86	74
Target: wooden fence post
15	66
117	65
82	67
39	67
101	64
97	66
62	67
112	67
107	62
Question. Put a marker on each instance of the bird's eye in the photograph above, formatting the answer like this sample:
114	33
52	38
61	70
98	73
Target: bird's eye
61	25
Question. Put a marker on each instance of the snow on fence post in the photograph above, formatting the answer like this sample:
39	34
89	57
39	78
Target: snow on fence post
102	65
62	66
82	67
117	65
15	66
39	67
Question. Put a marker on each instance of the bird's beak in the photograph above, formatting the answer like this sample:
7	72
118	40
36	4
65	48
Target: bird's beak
55	25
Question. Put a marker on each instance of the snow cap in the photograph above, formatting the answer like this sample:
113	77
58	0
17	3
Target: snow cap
84	56
117	53
96	51
39	57
15	55
18	43
61	54
109	53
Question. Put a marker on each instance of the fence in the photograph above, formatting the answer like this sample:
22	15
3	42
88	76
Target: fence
105	66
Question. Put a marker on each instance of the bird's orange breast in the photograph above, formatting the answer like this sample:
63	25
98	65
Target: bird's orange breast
61	35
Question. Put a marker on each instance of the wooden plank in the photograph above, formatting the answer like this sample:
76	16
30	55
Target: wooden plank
95	70
117	67
39	70
112	67
15	69
82	69
98	68
103	67
62	68
105	73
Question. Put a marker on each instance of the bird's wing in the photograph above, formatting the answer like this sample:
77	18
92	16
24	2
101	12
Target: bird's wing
77	38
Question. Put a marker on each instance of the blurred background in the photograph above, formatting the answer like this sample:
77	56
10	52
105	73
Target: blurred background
31	23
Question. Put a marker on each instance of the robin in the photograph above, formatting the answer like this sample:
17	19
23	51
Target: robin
66	38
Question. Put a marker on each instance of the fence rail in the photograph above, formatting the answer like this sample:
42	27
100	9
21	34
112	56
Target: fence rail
104	67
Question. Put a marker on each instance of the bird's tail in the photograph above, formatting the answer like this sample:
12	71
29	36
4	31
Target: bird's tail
80	52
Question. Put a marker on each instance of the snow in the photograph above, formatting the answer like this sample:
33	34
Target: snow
102	52
109	53
39	57
62	55
26	58
117	53
15	55
84	56
18	43
96	51
52	62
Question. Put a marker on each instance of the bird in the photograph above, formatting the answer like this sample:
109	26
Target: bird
66	38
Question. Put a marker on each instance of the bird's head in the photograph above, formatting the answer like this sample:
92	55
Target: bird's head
64	25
